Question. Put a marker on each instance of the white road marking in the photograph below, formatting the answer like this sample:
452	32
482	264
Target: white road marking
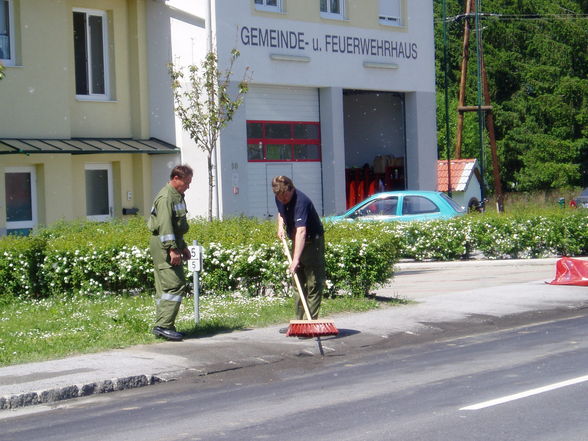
525	394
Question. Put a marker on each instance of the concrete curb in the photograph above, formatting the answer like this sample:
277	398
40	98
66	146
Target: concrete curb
122	383
75	391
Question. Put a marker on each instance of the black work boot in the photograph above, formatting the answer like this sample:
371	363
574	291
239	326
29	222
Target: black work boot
168	334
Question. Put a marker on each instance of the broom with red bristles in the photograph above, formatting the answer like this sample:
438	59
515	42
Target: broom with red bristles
307	328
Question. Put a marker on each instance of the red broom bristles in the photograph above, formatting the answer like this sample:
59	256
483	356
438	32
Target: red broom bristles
307	328
311	328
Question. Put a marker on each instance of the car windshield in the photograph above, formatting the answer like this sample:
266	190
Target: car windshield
454	204
584	192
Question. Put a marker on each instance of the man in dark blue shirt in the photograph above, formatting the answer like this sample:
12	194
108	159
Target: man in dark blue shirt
298	220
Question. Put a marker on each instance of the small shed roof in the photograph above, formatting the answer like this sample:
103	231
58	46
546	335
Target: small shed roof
461	172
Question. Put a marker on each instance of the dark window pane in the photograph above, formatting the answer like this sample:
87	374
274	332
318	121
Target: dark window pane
18	231
307	151
97	192
272	2
18	197
380	207
254	130
97	49
278	151
255	151
306	131
80	53
259	2
387	207
324	6
4	31
418	205
335	9
280	131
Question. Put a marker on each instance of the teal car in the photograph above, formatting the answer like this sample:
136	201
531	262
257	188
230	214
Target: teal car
395	206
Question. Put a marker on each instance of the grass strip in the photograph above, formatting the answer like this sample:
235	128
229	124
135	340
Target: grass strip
56	327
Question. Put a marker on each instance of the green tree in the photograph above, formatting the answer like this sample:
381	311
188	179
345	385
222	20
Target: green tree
205	104
1	71
537	63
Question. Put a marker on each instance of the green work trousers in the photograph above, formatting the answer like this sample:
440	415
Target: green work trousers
311	273
170	285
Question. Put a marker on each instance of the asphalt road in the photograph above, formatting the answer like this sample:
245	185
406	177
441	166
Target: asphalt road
523	383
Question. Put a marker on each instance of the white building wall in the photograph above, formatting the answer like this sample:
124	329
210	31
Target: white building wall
421	141
333	149
322	62
472	191
178	33
317	62
328	56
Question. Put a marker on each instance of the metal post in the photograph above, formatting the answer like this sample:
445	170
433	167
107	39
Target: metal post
445	86
480	111
196	276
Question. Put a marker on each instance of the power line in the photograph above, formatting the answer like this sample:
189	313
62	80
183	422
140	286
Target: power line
516	16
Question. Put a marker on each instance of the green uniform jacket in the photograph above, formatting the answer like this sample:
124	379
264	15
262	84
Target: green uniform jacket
168	219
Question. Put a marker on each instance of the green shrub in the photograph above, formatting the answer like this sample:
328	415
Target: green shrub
243	256
359	256
20	259
439	240
258	269
93	258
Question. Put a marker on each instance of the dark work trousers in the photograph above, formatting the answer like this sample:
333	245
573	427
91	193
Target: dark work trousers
311	273
170	285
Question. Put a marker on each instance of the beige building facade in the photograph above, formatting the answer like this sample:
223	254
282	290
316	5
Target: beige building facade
74	125
88	129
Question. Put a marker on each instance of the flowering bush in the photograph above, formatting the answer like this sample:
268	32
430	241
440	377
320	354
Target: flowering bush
19	259
243	256
359	256
440	239
557	233
250	270
96	258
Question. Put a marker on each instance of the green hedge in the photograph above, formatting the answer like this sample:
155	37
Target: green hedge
494	236
243	255
240	255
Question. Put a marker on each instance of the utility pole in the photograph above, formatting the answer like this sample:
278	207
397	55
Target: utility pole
472	9
446	87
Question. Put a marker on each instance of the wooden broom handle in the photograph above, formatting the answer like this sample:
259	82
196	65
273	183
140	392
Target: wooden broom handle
296	280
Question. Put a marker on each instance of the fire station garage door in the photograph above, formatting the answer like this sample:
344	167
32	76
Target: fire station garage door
283	137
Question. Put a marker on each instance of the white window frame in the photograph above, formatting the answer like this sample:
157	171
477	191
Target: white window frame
334	15
33	222
268	8
386	17
105	51
108	168
10	61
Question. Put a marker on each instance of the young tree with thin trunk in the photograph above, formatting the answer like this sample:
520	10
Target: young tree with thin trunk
205	104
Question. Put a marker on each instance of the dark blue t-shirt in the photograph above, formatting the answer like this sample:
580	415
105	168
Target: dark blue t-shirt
300	212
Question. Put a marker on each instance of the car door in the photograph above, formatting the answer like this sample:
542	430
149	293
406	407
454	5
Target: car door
418	207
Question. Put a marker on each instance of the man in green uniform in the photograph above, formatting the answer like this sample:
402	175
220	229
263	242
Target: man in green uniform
168	224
